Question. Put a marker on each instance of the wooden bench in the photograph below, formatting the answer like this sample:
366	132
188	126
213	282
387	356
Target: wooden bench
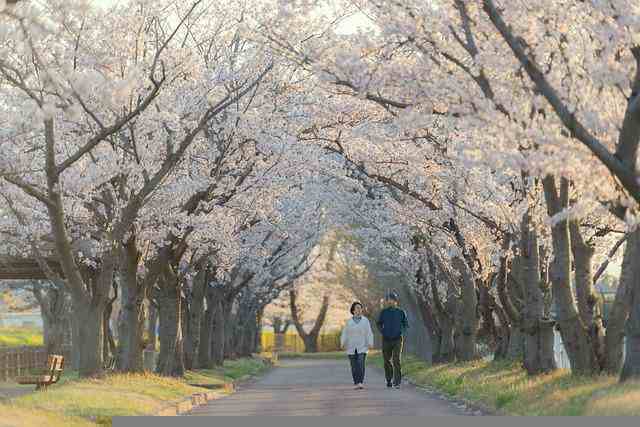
50	375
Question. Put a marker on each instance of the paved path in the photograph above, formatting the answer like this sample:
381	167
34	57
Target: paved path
10	390
324	387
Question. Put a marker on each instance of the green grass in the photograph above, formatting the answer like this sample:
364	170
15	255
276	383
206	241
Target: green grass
75	401
18	336
504	387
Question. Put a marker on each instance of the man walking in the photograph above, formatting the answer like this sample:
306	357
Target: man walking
393	325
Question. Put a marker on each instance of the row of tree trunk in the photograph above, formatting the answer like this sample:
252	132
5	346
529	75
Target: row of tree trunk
197	327
518	306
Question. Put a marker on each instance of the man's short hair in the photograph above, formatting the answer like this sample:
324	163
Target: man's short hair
393	296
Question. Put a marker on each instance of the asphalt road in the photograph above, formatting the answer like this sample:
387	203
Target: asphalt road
324	387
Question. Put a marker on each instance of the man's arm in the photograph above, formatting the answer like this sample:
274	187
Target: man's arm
404	324
379	323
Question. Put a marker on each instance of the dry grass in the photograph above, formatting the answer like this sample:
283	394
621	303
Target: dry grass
13	416
617	400
77	401
505	387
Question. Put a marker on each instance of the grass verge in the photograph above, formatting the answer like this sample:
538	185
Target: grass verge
504	387
87	402
18	336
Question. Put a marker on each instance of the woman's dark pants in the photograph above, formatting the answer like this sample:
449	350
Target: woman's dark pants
357	367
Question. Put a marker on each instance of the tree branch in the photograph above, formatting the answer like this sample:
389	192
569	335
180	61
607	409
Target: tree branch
615	166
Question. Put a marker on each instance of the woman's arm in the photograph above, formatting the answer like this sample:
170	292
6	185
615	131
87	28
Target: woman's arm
343	335
369	335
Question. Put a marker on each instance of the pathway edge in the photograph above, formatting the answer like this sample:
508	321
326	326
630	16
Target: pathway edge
202	398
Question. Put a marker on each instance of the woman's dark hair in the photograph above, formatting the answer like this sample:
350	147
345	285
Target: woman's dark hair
353	306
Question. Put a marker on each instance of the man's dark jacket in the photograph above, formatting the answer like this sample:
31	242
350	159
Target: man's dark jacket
392	323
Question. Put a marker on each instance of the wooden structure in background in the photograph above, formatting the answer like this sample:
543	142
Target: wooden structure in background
16	268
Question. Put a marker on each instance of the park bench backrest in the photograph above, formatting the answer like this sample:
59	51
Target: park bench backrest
55	365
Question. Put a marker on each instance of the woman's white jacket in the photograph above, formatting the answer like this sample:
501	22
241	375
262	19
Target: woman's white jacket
357	336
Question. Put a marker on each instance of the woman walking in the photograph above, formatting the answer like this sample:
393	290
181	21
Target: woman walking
356	338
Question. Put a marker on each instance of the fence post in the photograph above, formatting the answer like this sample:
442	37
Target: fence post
278	345
3	366
14	363
18	361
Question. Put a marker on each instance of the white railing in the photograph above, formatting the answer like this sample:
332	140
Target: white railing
561	356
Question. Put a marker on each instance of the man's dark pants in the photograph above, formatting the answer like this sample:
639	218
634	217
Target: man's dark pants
391	350
357	367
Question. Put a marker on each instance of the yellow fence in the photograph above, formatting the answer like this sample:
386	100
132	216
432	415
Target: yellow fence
294	344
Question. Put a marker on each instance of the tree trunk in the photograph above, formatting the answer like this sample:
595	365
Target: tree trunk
575	336
515	350
503	336
218	340
206	329
508	289
429	315
488	332
131	311
432	325
587	301
310	339
187	341
152	322
90	323
457	331
247	332
228	325
54	309
171	358
53	334
109	344
447	342
75	340
447	325
539	356
436	344
257	340
631	367
310	343
196	312
507	316
614	337
468	319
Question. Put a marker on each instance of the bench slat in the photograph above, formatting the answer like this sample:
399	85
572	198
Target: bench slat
35	379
